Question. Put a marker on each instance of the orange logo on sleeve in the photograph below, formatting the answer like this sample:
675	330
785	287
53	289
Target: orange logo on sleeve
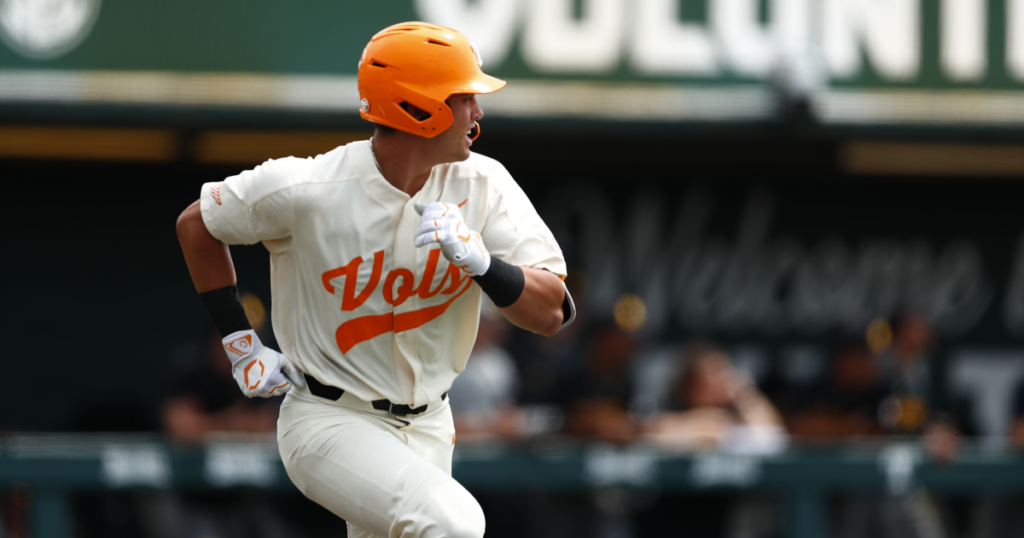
240	346
215	192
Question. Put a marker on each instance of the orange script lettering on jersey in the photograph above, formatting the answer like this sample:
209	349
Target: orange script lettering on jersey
363	328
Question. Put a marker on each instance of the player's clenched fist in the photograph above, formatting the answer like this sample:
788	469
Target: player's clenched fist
259	370
442	223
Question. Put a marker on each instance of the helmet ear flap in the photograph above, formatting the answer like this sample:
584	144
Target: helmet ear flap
442	120
439	118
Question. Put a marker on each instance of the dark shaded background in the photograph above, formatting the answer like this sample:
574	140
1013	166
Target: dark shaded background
100	296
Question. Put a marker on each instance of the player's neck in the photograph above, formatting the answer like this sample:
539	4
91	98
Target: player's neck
403	162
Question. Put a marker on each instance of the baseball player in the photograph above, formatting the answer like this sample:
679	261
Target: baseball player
379	253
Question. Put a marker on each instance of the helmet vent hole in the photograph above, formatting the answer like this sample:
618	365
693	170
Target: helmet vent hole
435	42
414	111
377	64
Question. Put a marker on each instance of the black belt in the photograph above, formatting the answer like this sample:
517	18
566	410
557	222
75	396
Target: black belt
334	393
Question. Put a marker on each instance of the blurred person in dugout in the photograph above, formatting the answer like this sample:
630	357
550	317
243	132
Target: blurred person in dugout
485	408
596	400
846	404
593	394
712	405
483	397
204	398
909	408
544	363
879	385
1017	418
877	388
1007	520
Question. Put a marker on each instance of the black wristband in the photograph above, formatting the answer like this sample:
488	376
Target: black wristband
225	307
502	282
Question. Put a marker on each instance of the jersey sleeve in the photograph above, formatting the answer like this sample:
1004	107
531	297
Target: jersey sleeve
255	205
514	232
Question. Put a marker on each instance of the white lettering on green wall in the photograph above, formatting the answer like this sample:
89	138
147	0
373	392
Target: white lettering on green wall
556	41
963	33
887	32
657	38
1015	38
667	46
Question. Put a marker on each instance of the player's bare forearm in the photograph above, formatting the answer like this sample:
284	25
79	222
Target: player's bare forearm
539	307
209	260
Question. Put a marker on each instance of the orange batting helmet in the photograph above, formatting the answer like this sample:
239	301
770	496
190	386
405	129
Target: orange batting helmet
421	64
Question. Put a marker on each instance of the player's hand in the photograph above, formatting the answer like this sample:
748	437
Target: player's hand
259	370
442	223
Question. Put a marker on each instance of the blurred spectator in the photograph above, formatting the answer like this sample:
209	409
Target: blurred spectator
910	408
905	362
877	396
204	398
1006	512
889	394
1017	418
906	371
847	405
483	397
484	403
597	399
713	405
545	363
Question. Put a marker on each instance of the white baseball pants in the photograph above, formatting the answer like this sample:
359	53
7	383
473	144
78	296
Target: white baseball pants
386	477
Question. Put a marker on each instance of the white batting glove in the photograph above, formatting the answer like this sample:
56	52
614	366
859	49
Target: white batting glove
259	370
442	223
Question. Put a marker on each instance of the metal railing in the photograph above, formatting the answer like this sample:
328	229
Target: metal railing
51	466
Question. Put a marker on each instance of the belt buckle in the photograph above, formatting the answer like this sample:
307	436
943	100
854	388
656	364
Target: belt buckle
401	407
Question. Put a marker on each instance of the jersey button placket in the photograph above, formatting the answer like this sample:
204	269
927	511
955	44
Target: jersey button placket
405	257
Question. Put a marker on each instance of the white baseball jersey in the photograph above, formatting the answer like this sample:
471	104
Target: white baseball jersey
355	303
